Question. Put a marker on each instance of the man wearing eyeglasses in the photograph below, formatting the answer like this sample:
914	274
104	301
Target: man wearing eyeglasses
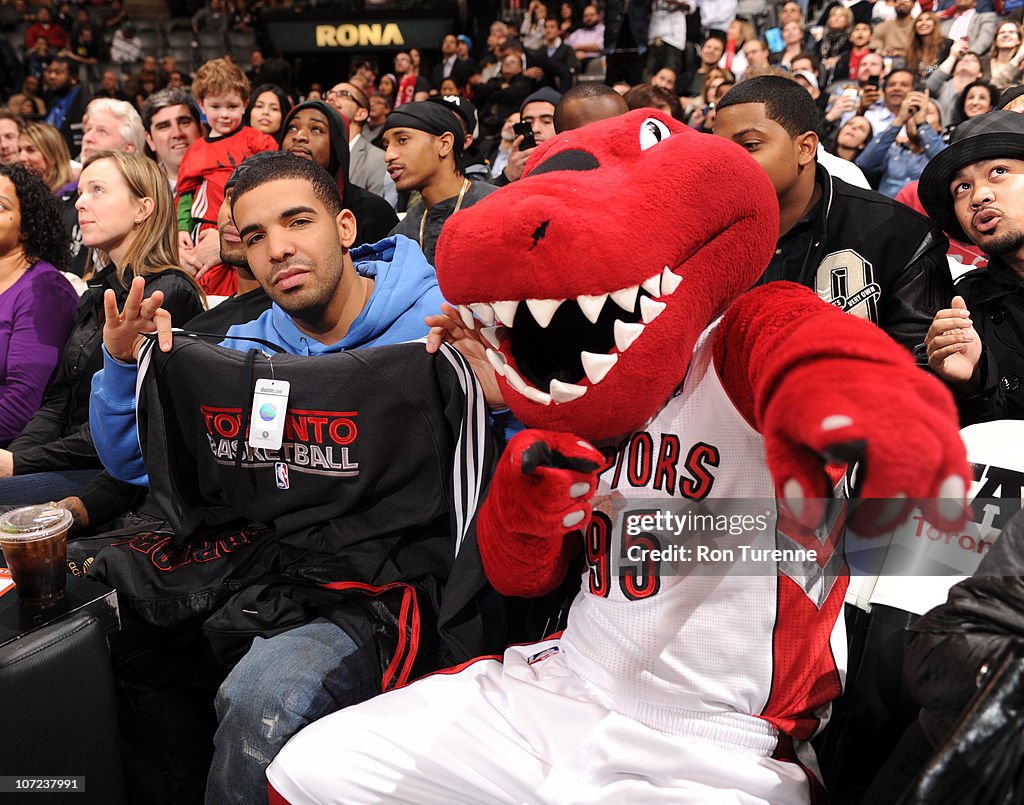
367	169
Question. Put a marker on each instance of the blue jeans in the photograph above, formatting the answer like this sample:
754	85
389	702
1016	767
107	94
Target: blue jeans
282	684
43	487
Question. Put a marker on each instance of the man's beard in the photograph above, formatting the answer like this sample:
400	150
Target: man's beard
233	258
1007	243
309	304
309	310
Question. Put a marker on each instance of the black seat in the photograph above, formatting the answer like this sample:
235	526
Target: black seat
876	706
59	716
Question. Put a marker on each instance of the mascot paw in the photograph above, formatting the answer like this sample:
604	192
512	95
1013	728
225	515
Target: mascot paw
548	480
540	493
901	429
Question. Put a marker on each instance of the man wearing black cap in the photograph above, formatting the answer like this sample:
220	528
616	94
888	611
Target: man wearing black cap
474	165
975	191
423	149
539	111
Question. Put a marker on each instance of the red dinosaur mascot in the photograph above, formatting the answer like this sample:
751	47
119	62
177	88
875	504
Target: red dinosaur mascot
612	283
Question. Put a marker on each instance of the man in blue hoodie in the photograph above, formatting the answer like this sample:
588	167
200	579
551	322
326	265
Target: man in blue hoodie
326	299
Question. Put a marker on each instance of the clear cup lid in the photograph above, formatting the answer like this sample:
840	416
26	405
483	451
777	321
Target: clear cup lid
33	522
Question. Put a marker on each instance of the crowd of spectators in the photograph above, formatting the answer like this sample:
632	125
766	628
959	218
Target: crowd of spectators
120	163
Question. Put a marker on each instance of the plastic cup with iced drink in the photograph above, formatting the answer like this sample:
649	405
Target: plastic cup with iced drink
34	541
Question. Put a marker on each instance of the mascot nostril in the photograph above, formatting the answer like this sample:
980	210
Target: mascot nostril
539	233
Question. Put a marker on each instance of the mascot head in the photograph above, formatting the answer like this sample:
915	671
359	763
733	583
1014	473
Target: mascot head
600	268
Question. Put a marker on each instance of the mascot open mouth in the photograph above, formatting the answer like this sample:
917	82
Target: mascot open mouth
555	350
594	275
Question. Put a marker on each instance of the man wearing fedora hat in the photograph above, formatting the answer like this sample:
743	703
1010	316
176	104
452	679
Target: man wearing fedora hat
975	191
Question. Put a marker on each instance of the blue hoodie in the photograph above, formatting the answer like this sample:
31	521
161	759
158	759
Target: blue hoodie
404	292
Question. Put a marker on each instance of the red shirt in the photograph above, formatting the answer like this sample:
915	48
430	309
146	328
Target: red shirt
56	36
208	164
221	280
855	58
204	171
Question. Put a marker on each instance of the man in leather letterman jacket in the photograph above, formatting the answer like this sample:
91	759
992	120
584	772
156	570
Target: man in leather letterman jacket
859	250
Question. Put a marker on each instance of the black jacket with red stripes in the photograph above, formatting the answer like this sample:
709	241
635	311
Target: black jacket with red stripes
369	504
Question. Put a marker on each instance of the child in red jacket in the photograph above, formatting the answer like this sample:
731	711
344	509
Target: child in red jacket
222	92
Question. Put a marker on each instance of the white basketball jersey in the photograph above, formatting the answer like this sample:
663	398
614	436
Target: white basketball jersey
730	652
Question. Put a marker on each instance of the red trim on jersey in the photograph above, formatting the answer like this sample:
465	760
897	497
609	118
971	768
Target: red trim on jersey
804	673
786	752
408	602
803	536
274	797
405	656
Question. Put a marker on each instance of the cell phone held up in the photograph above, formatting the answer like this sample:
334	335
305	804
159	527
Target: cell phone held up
524	130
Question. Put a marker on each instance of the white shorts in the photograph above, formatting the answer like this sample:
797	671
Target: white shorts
526	730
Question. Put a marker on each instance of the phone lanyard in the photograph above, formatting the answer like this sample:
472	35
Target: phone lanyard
423	221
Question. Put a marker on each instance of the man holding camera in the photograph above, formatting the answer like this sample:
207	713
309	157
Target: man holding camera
897	86
897	155
537	124
423	151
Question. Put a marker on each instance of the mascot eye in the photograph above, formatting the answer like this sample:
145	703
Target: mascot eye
652	132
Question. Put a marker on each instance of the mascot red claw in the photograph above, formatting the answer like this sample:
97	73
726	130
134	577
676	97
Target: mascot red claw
613	291
612	284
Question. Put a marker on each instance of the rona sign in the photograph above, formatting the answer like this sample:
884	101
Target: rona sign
361	35
320	36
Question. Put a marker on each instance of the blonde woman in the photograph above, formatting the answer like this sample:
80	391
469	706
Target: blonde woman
1004	60
43	151
836	39
740	32
126	213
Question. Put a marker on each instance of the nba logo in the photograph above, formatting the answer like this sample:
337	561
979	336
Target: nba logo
540	656
281	474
